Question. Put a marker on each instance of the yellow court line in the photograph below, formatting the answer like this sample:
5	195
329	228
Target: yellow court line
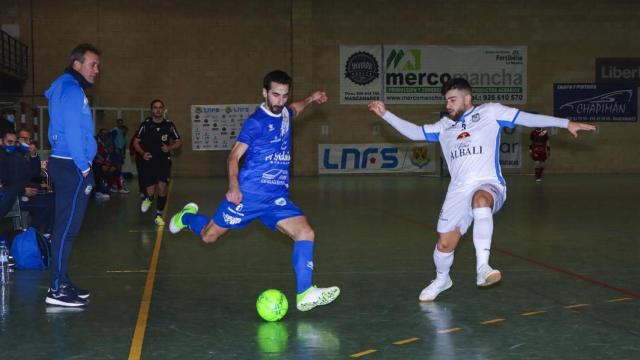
362	353
493	321
406	341
141	325
530	313
618	299
574	306
446	331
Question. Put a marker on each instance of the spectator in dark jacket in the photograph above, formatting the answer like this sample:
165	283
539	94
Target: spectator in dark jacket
19	167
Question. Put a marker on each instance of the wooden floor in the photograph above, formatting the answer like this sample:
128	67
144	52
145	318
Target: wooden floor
568	249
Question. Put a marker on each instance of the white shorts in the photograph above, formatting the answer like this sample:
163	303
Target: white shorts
457	211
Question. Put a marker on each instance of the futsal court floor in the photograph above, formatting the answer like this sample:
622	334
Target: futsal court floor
568	249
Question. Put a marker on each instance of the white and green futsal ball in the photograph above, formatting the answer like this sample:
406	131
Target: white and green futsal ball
272	305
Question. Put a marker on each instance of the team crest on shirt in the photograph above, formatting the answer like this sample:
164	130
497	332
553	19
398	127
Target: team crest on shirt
463	135
164	137
420	156
270	127
475	117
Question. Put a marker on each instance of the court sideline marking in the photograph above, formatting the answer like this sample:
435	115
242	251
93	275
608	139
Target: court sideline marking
141	325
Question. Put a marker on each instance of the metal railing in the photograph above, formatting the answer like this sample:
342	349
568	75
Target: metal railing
14	56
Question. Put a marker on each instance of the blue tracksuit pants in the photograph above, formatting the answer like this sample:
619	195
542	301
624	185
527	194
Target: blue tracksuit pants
72	191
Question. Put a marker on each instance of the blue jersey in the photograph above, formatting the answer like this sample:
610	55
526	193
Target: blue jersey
71	125
265	171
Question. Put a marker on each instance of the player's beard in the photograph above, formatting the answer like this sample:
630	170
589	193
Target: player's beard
275	109
456	115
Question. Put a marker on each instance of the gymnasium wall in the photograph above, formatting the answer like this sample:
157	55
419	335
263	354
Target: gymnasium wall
216	52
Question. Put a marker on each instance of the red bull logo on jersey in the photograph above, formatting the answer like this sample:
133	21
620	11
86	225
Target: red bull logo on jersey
463	135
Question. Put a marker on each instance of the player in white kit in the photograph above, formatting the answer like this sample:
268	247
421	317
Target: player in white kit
470	139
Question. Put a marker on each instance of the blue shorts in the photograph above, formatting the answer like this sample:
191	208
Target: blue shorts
269	210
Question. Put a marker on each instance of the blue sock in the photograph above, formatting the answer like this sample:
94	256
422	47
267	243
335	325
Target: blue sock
195	222
303	264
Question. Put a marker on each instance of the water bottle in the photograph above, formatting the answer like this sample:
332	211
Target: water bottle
4	300
4	262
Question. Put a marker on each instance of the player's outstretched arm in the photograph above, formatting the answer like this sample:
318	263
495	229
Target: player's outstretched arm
536	120
234	195
318	97
408	129
575	126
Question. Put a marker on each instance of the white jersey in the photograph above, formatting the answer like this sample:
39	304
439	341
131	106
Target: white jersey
471	145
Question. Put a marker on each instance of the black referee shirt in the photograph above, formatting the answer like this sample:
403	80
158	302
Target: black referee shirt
153	135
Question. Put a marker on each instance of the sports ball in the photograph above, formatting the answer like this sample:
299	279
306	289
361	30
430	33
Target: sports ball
272	305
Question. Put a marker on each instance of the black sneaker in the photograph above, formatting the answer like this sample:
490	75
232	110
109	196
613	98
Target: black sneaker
64	297
82	293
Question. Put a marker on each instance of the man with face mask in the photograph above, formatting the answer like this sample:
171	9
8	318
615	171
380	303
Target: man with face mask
73	148
16	172
260	189
477	189
8	121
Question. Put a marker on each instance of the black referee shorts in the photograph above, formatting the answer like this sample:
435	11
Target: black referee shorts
154	170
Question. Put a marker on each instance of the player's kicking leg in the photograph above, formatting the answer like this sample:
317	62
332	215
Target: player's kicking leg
200	224
308	296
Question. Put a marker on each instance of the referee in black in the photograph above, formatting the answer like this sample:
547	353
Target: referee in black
154	141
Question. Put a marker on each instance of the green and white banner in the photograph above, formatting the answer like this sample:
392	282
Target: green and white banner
415	74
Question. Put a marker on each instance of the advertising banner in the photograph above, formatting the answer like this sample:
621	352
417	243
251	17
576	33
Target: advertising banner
596	102
215	127
511	148
361	74
618	70
414	74
376	158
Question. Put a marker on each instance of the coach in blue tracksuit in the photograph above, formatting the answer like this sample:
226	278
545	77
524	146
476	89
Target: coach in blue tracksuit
73	148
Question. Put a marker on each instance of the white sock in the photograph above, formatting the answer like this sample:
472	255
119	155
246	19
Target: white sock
443	263
482	232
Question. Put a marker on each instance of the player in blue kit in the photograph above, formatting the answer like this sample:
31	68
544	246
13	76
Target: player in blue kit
260	188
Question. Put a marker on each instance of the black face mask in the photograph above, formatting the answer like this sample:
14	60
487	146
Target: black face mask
83	82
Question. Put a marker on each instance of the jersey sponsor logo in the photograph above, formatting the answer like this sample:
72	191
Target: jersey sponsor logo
275	177
463	135
280	201
231	220
465	149
283	157
237	210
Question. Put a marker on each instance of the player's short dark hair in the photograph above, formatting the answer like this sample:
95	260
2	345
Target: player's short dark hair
457	84
155	101
276	76
77	54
